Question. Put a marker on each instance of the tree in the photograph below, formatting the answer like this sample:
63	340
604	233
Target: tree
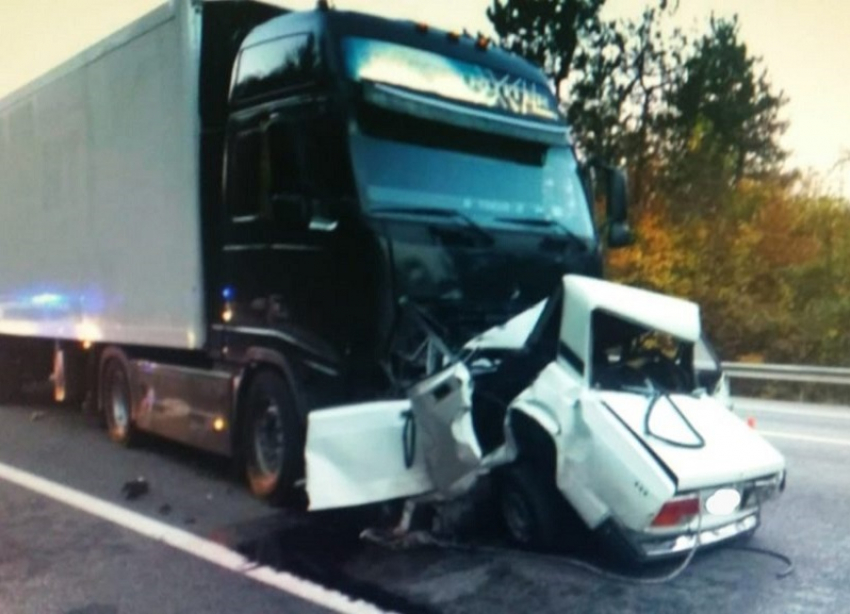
546	32
621	74
767	260
723	123
611	75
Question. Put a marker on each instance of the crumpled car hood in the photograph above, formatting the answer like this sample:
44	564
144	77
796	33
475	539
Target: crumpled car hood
699	440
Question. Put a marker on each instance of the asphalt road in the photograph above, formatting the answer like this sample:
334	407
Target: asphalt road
59	559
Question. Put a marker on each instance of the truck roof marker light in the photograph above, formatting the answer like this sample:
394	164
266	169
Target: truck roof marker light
453	36
422	27
482	42
677	512
219	424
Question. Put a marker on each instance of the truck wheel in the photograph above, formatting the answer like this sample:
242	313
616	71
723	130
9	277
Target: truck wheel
116	399
273	445
533	510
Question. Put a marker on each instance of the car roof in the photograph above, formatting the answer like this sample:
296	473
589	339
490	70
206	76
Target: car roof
584	295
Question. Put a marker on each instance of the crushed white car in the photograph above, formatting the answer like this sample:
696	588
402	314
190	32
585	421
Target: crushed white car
590	411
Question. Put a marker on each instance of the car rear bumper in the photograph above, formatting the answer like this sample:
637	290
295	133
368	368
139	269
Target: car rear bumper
654	544
655	548
644	548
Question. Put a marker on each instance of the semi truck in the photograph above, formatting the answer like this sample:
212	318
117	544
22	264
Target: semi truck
227	217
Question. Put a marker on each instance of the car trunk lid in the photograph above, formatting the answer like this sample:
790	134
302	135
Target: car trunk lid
701	442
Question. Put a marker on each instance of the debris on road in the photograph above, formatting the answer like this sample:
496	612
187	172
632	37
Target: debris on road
135	488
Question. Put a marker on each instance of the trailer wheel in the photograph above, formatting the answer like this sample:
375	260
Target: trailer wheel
116	399
535	513
273	446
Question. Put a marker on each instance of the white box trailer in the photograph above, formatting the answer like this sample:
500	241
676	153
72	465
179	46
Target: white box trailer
99	167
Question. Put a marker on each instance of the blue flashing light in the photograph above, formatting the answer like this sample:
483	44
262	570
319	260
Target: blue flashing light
227	293
48	299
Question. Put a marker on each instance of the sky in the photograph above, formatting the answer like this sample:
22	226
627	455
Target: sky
803	44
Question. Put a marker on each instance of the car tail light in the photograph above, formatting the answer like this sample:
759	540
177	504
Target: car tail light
677	511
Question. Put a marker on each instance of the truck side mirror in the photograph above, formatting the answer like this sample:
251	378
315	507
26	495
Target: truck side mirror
620	235
619	232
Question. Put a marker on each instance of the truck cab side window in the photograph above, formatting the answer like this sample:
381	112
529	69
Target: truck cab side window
275	66
325	158
285	186
326	169
288	168
244	178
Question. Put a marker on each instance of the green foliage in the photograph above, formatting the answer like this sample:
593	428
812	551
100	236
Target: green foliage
622	73
697	125
770	272
545	31
722	122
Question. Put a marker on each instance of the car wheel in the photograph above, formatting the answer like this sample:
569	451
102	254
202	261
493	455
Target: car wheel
273	447
533	510
116	399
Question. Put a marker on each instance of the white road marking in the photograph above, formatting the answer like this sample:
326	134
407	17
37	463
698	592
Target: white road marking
837	414
812	438
189	543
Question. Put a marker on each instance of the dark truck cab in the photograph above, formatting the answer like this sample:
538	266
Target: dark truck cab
379	175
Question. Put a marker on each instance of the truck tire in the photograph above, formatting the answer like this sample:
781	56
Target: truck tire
273	440
535	513
116	398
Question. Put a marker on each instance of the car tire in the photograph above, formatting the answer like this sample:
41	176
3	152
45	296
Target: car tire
116	398
273	439
534	512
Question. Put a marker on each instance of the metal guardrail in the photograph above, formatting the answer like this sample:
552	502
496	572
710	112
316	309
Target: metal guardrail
787	373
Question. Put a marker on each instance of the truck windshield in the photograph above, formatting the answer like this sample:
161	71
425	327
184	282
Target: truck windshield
434	132
491	189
